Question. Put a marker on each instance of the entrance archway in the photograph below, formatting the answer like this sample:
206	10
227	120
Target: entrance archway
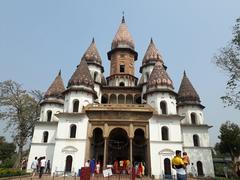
118	145
97	145
140	149
68	165
167	167
200	168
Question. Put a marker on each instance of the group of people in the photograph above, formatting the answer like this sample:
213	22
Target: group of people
179	163
40	165
94	167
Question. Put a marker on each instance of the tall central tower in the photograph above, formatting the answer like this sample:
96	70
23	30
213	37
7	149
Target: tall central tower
122	56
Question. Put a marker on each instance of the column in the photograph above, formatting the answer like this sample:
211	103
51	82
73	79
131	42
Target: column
131	159
105	153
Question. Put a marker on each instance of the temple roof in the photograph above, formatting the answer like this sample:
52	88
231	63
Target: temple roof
81	76
123	38
57	87
187	93
92	55
159	77
152	54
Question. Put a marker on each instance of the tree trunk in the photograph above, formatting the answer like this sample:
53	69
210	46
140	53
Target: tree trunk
17	164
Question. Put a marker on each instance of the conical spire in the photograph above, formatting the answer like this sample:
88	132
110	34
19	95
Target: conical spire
91	55
56	88
81	76
123	38
187	93
159	77
152	54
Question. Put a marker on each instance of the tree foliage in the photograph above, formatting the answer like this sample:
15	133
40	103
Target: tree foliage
228	60
230	140
7	152
20	109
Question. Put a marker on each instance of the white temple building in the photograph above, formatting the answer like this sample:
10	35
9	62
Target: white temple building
120	116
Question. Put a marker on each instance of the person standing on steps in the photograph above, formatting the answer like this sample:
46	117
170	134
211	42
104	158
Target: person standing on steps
34	166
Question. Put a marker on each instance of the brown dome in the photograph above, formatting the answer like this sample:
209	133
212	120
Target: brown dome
152	54
123	38
91	55
57	87
187	93
81	76
159	77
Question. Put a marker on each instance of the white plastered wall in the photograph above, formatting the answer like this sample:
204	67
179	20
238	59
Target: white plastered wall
55	108
154	100
84	98
70	146
187	110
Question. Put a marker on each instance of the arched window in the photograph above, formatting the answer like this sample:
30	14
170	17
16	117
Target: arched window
165	135
45	136
163	107
146	77
68	165
113	99
75	105
200	168
195	140
193	118
73	129
121	84
95	76
137	99
49	116
129	99
121	99
104	99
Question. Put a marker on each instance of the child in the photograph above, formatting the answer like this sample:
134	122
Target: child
185	159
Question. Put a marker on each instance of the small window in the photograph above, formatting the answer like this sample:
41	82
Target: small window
121	84
165	133
122	68
75	105
49	116
193	118
45	136
95	76
73	129
196	140
163	107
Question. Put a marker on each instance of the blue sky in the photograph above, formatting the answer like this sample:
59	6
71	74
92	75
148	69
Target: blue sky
37	38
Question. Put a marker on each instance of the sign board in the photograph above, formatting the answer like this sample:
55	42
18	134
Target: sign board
107	172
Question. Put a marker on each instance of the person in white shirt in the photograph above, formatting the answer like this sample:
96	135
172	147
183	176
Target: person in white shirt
42	166
34	166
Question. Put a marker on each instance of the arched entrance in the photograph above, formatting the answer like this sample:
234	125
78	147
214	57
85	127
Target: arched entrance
97	145
200	168
118	145
140	149
68	165
167	167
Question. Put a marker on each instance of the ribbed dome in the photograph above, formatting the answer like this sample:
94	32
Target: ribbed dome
159	77
91	55
152	54
81	76
123	38
187	93
57	87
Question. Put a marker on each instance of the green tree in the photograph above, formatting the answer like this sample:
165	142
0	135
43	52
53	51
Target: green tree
20	109
230	140
228	60
7	152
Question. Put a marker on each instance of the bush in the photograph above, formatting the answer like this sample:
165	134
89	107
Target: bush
11	172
